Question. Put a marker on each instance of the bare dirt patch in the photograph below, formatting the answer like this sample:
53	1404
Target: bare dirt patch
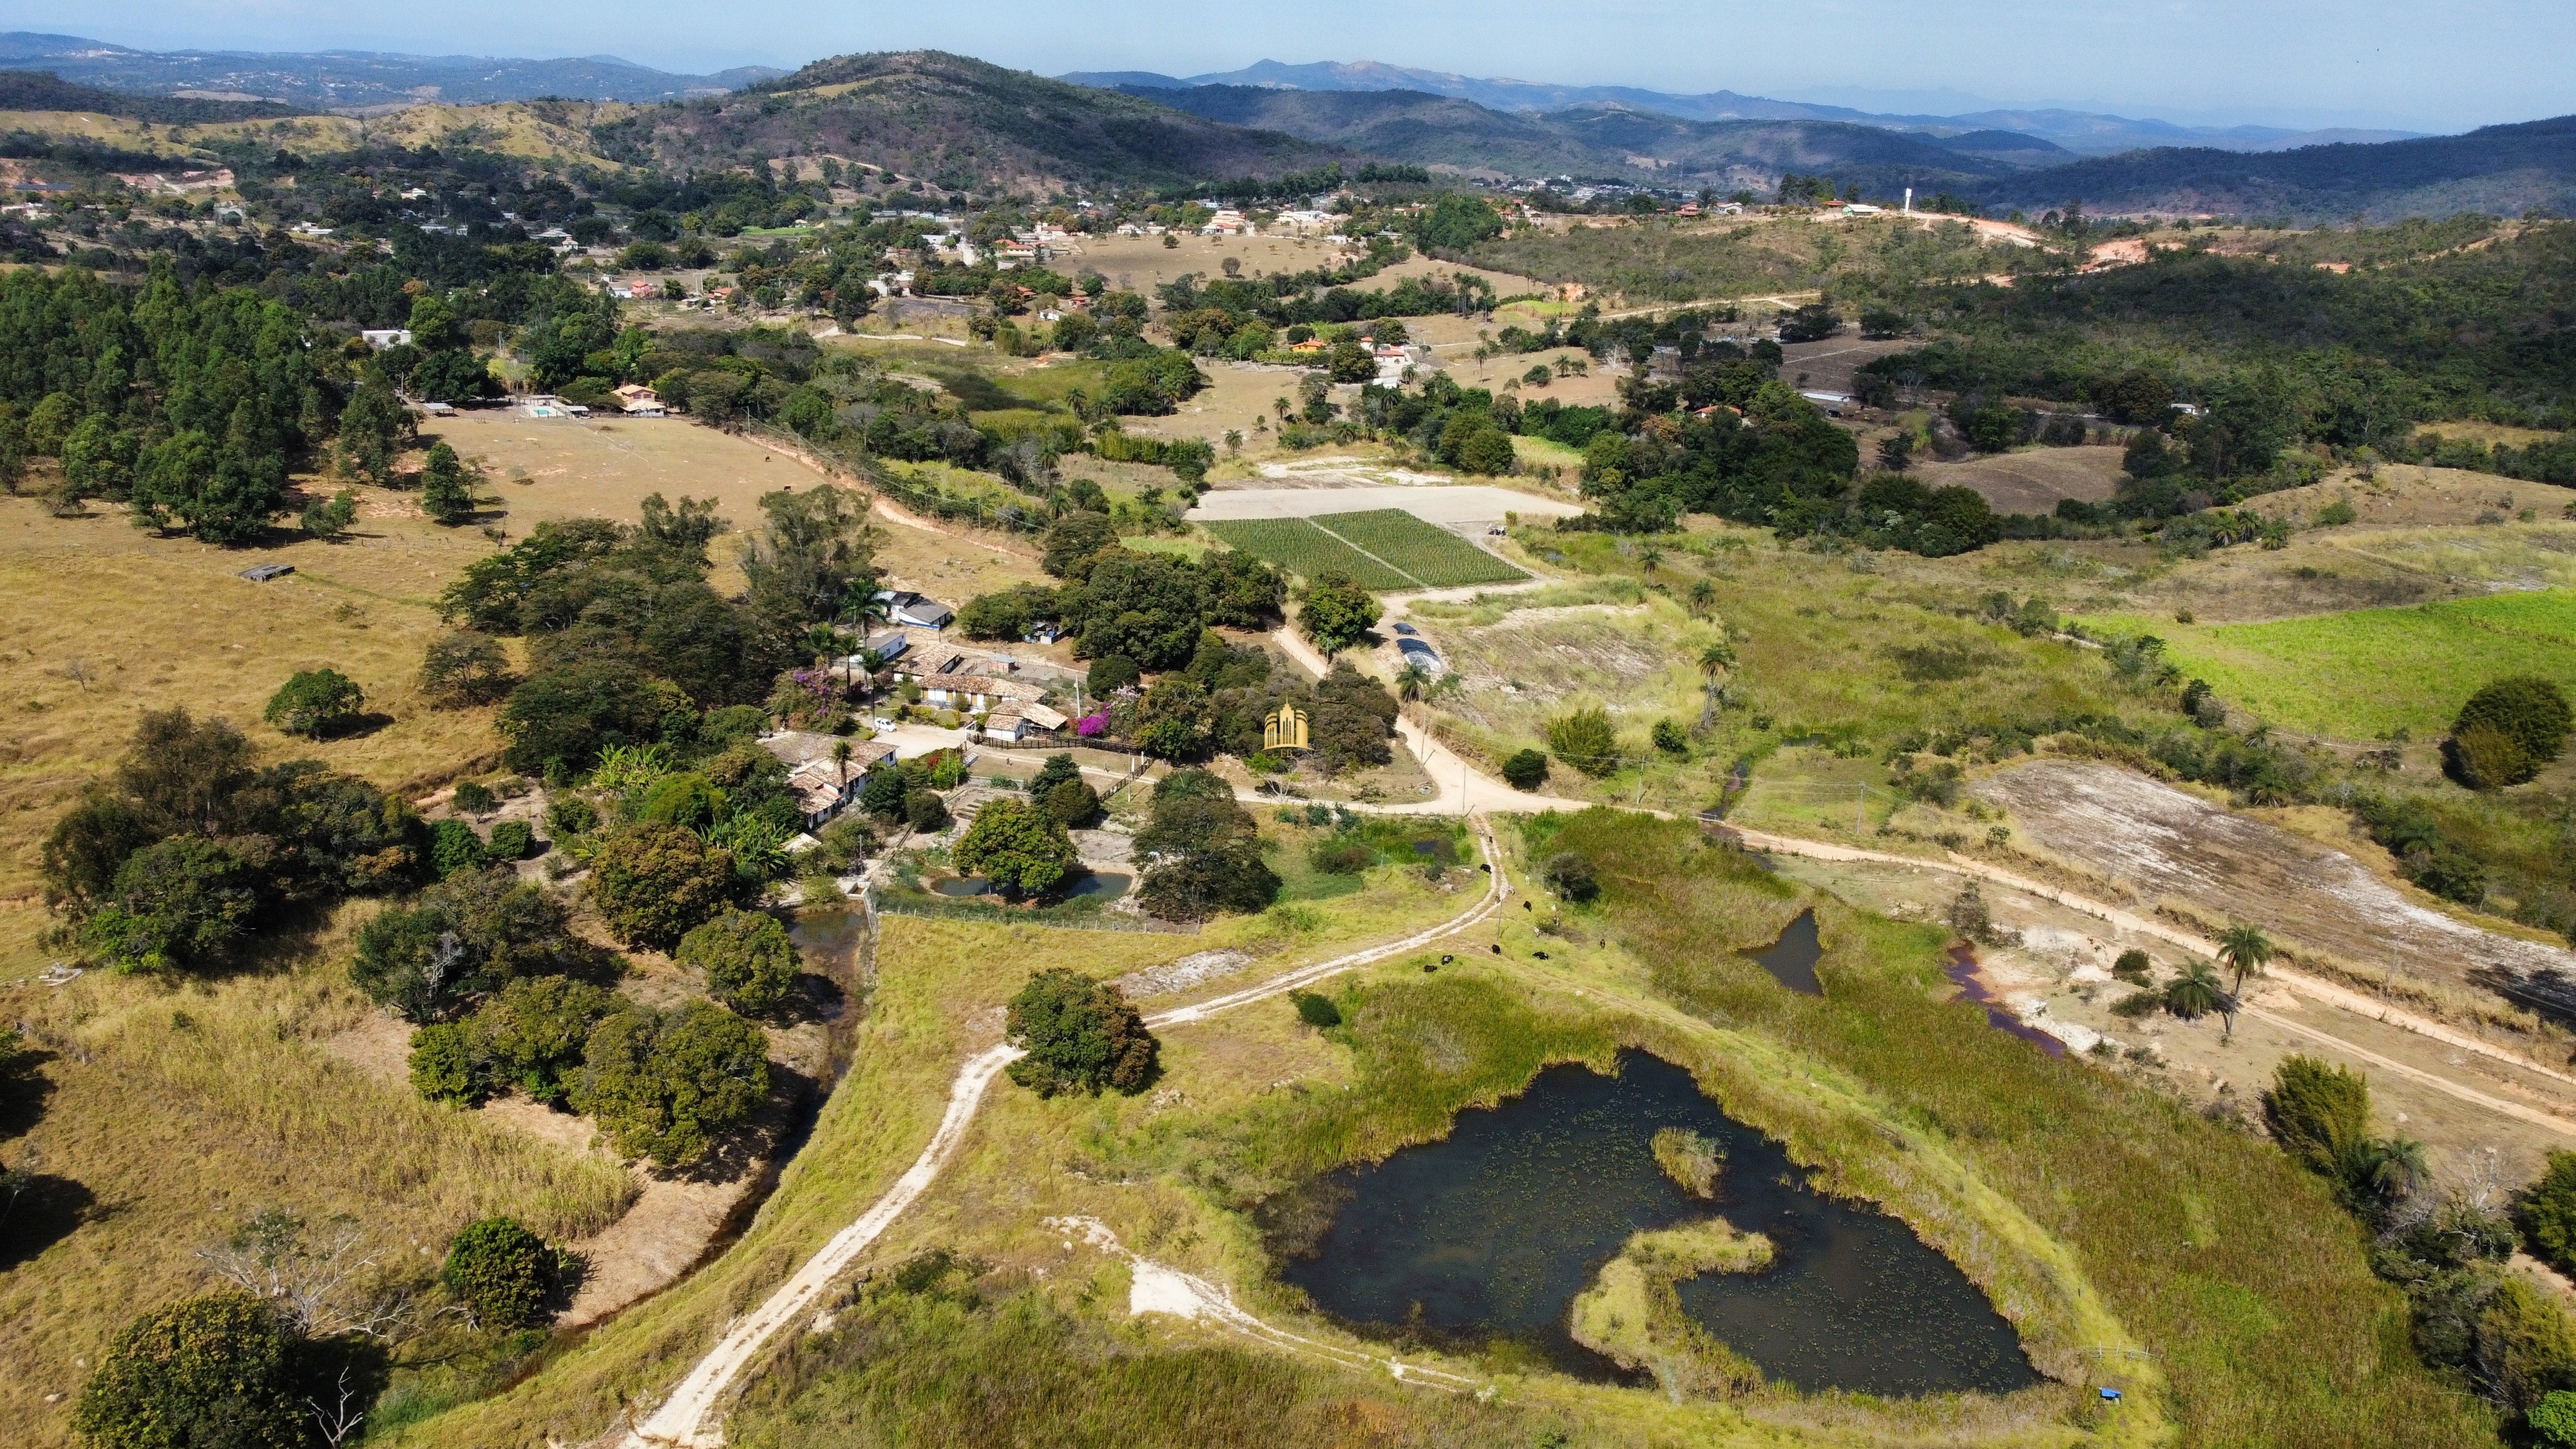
2162	845
1831	365
2033	480
2057	976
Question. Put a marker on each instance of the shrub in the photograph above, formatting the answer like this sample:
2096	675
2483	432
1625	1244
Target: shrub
513	840
570	815
443	1064
473	797
2546	1212
923	810
1020	847
662	1084
314	703
1073	804
2553	1419
533	1034
2317	1111
454	847
2526	1345
1571	876
2507	731
212	1370
655	883
1671	738
1584	739
2133	967
1340	857
1316	1011
176	905
1081	1036
1526	770
501	1273
748	960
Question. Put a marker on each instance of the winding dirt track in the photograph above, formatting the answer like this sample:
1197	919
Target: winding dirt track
684	1418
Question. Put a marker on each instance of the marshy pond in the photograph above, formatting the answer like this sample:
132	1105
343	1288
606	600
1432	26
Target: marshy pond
1491	1234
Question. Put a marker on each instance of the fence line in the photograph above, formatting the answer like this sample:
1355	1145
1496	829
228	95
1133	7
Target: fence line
1000	916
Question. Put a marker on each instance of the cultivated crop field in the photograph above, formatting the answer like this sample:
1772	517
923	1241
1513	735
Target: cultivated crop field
2369	672
1385	548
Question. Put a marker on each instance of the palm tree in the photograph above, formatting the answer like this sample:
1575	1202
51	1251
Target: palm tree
841	759
2384	1168
1412	682
2195	993
1714	661
2246	950
1702	594
1652	558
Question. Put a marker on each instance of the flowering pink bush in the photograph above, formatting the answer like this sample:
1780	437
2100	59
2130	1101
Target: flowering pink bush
1091	724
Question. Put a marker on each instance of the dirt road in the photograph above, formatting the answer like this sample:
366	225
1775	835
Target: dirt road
683	1419
2326	992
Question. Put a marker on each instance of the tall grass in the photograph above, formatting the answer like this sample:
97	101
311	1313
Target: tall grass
2233	1268
945	1363
182	1111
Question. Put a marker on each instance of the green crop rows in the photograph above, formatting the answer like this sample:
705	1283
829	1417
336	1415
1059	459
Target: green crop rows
1383	549
1434	556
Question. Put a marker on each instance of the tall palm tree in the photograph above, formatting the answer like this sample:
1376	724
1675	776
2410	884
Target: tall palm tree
1714	661
2246	950
2195	993
1412	682
841	759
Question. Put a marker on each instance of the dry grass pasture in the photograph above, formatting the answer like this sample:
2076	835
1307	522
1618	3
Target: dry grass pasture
170	1112
544	468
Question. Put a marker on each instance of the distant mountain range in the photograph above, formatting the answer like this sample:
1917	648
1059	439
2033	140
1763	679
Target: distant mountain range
2084	133
1612	142
356	80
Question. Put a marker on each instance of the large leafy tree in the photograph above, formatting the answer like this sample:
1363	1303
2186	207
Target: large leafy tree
654	883
211	1372
1080	1035
749	962
1206	851
1019	846
663	1084
1337	613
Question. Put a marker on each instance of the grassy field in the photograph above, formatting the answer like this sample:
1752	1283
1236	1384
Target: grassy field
1840	652
172	1114
1383	549
2365	673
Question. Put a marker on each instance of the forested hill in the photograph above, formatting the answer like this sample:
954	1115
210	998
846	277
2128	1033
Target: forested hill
1591	141
958	122
36	90
2498	170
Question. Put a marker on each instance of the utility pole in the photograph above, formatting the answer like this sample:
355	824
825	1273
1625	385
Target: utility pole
1860	813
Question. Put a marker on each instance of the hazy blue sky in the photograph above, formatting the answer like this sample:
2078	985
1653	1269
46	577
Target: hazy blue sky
2427	64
